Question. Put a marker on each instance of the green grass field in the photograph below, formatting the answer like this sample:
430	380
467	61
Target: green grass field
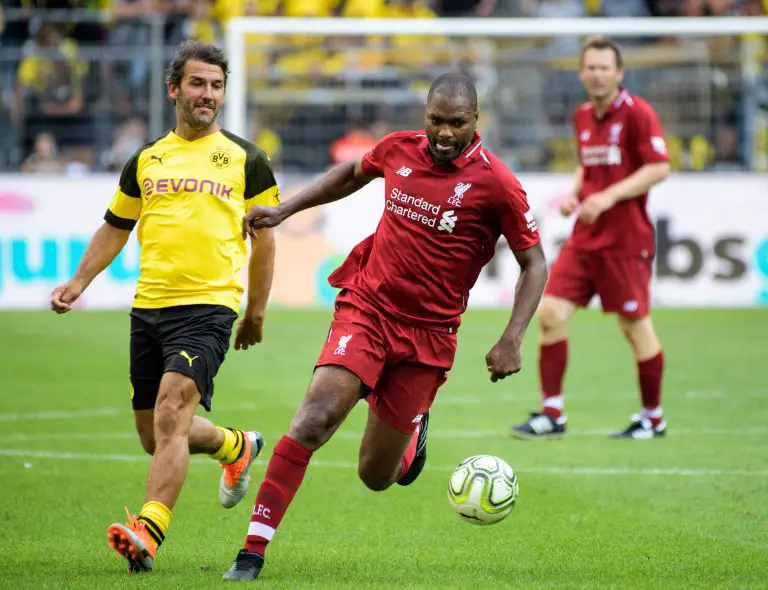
688	511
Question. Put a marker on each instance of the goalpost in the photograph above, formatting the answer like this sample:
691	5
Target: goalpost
543	32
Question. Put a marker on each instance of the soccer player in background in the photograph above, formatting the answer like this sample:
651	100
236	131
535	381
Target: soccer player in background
403	290
610	252
188	190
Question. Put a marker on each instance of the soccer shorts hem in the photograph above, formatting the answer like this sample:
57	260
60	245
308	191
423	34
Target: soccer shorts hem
189	339
621	281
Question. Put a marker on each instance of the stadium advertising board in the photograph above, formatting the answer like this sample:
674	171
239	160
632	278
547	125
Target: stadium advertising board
712	235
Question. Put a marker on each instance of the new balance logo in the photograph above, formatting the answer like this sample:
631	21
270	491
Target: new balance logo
404	171
341	349
448	221
458	193
185	354
631	305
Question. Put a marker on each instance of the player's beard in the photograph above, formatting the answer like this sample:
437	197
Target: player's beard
445	156
195	120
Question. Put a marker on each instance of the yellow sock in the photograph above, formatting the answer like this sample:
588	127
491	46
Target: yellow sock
157	517
231	448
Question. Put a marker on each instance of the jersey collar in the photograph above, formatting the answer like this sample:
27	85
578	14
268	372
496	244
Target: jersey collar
617	103
463	159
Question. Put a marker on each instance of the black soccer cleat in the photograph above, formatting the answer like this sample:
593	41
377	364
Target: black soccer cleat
640	428
421	455
246	566
540	426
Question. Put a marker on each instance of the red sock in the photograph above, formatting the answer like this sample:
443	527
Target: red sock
553	359
649	374
283	477
410	454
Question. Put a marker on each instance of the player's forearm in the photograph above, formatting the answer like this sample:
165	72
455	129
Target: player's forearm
104	247
261	267
528	292
640	182
578	182
337	183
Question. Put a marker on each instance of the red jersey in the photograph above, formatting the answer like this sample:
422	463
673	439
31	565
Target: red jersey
439	228
612	148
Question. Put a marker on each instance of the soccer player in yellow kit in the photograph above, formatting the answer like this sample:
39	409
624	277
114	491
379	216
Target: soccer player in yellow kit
188	191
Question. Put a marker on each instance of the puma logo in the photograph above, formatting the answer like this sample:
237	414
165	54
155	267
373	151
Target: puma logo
189	358
158	158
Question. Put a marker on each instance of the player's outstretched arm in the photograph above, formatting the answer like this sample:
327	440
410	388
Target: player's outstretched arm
337	183
504	358
105	245
261	267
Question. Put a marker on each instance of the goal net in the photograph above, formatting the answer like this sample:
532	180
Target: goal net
299	85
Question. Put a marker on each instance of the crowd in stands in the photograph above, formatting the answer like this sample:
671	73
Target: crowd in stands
76	77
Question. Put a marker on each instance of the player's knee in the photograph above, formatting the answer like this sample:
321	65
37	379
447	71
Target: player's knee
374	478
633	328
551	317
317	418
171	411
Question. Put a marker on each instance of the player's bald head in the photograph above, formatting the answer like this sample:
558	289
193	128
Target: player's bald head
455	86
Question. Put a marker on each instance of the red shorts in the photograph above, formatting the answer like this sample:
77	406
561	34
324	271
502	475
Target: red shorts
402	364
623	282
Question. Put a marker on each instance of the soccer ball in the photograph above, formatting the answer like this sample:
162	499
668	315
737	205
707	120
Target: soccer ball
483	489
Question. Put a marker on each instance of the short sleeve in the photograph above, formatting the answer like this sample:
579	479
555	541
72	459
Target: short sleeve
260	184
125	208
373	163
517	223
649	136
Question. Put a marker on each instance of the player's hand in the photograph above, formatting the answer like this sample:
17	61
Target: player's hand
504	359
594	206
250	331
65	295
260	217
569	205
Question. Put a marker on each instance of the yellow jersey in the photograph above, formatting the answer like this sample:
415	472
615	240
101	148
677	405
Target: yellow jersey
189	198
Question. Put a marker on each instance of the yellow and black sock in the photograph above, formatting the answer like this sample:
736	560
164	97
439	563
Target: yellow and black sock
157	517
232	447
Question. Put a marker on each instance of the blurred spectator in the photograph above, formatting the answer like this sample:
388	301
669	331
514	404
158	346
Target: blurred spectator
267	139
357	142
623	8
664	7
414	50
199	23
557	9
707	7
130	37
726	154
359	8
130	136
49	91
462	8
44	158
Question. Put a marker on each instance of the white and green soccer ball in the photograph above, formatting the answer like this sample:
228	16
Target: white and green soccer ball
483	489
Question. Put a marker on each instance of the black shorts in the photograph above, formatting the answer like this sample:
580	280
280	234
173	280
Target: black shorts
187	339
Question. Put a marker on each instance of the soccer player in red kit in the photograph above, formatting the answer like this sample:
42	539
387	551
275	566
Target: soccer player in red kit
610	252
403	290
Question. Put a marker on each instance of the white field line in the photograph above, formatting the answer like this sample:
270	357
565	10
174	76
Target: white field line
434	434
135	458
58	415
